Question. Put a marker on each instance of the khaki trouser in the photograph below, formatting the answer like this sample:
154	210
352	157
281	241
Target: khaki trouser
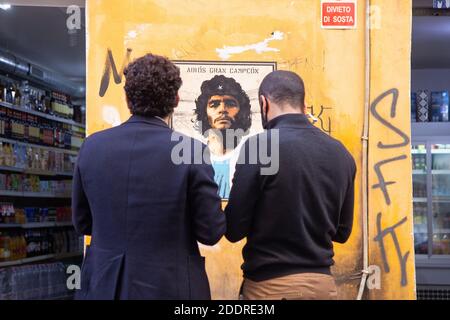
302	286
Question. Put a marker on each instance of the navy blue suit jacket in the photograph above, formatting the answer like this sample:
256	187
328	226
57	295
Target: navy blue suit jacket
145	214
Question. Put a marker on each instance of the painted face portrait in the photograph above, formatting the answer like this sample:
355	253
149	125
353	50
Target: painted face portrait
222	111
222	104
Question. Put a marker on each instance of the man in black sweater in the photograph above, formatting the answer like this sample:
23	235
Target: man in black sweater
290	214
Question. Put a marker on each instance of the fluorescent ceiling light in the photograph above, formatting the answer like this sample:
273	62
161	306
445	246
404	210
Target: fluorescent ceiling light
5	6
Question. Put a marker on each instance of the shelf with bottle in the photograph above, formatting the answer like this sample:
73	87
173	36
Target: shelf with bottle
420	229
51	105
440	172
27	144
34	217
441	243
19	262
441	151
20	158
60	256
27	246
42	115
21	185
41	280
441	199
29	129
441	231
419	162
420	220
429	106
36	225
32	194
36	172
418	150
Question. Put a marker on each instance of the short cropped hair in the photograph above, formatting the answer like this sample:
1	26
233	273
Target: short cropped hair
284	87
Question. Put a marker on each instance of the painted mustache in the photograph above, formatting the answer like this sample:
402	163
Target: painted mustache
224	118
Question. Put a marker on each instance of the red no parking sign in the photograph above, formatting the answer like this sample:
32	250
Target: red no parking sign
338	14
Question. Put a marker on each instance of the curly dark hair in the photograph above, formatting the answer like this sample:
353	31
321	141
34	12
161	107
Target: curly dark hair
221	85
151	86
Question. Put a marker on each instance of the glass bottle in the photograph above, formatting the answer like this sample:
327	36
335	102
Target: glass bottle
9	94
2	91
17	97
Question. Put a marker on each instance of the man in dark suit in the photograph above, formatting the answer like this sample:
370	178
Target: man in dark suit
144	209
291	211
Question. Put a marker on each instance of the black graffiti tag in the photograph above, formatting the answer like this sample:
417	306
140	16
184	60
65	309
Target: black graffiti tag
110	67
373	109
383	183
325	125
381	234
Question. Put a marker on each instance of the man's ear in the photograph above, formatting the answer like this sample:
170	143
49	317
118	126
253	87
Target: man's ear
264	104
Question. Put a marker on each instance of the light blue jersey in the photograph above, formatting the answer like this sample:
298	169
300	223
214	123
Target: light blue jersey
222	177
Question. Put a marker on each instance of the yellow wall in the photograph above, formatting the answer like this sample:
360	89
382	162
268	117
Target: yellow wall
332	64
390	76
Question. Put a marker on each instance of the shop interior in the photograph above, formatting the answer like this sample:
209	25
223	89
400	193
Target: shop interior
430	86
42	126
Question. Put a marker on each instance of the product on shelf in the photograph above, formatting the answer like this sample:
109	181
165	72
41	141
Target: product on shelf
441	161
30	158
423	104
441	244
419	187
35	282
17	95
23	95
11	182
17	244
429	106
419	162
413	107
5	250
77	114
12	246
20	217
31	183
61	105
4	122
420	214
441	186
63	214
7	213
30	128
439	106
10	93
2	91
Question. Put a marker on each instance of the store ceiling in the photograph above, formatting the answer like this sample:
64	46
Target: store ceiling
40	35
431	43
430	38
